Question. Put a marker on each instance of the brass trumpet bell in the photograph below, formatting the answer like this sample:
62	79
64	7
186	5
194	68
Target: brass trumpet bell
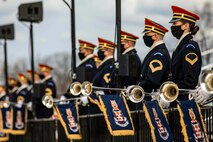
169	91
206	81
47	101
135	93
75	88
86	88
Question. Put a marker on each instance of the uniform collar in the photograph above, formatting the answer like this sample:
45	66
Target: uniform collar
14	89
46	78
22	87
108	58
182	37
2	94
128	49
156	44
86	58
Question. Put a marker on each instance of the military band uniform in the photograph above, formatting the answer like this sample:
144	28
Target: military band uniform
101	78
155	68
156	64
186	59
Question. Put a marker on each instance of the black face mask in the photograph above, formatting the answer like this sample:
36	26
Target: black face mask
177	31
41	76
122	48
29	82
148	41
101	55
81	55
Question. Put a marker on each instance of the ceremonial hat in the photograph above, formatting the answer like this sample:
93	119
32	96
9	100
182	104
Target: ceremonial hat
151	26
128	36
182	14
87	45
103	43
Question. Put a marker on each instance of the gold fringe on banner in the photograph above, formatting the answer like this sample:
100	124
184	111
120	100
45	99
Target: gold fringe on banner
152	128
2	123
116	132
95	102
204	126
69	136
183	125
20	132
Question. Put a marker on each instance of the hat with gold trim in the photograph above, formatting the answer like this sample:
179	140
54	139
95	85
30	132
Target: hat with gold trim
21	77
87	45
45	68
103	43
182	14
29	72
151	26
12	81
128	36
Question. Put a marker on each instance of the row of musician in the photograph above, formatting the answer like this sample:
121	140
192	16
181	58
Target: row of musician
157	78
102	71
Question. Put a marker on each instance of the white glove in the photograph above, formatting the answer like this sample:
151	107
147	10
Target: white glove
84	100
164	103
63	98
201	97
19	104
29	106
6	105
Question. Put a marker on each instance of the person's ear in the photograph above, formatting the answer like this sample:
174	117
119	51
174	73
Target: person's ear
185	26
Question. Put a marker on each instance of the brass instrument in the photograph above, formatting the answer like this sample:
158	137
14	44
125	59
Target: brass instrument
48	101
168	91
75	88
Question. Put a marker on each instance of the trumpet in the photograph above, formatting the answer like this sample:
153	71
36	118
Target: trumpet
168	91
8	103
48	101
134	92
205	86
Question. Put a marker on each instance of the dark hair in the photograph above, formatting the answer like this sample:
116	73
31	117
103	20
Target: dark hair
193	28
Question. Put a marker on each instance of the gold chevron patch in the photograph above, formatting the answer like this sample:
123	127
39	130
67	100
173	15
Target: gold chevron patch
48	92
106	78
191	58
155	68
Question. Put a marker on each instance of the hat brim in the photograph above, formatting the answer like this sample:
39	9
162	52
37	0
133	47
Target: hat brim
174	20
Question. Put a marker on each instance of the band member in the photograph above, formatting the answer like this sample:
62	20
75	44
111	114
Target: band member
30	89
50	90
128	42
87	68
105	53
13	86
2	93
156	64
186	59
87	61
22	94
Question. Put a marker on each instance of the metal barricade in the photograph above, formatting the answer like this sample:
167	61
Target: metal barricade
94	129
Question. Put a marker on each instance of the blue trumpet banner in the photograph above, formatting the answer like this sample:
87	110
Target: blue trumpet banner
3	136
19	120
156	118
193	127
69	118
6	121
116	114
